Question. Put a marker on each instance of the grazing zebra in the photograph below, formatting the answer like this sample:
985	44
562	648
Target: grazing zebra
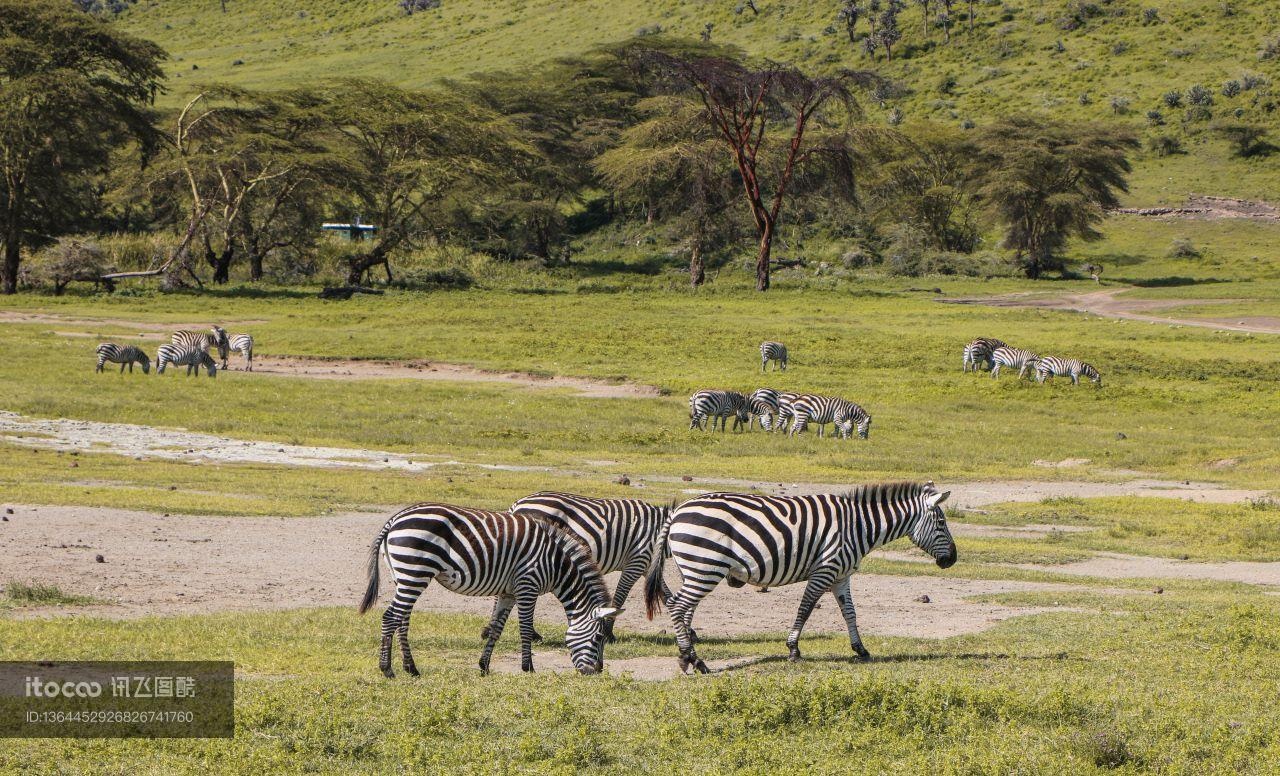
763	403
829	409
980	350
122	355
191	359
717	405
215	337
1004	356
769	540
621	533
243	344
786	400
1052	366
773	351
480	553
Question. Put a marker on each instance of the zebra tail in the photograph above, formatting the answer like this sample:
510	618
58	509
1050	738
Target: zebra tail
657	562
371	591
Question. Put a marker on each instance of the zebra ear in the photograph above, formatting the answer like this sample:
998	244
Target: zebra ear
937	498
606	613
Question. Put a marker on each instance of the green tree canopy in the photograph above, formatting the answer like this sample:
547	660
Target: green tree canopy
72	89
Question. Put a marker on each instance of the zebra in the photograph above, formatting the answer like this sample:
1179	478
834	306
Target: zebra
773	540
829	409
786	400
191	359
621	533
763	404
980	350
215	337
717	405
1011	357
243	344
1052	366
773	351
122	355
476	552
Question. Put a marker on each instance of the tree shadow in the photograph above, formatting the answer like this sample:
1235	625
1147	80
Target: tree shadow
1172	281
653	264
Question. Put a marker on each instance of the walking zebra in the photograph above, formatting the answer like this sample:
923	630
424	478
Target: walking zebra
1006	356
215	337
763	404
980	350
480	553
717	405
786	401
1052	366
773	351
243	344
829	409
621	533
122	355
191	359
766	540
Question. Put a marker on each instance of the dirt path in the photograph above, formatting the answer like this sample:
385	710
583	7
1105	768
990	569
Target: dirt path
182	445
148	328
1204	207
1118	566
174	565
1109	304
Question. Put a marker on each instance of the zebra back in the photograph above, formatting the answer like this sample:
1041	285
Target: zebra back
616	531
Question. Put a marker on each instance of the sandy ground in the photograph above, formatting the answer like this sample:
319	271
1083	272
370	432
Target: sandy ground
1109	304
147	330
172	565
1204	207
1118	566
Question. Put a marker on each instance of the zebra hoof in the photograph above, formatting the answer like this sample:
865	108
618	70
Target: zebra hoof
411	670
387	672
693	636
526	666
484	667
794	656
861	652
535	637
701	667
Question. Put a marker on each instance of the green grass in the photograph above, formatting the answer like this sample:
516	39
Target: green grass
20	594
1063	692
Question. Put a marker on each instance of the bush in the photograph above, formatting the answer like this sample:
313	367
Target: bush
1199	95
1270	48
1150	15
1251	81
410	7
70	259
1155	118
1231	88
1173	99
450	278
1119	105
1182	248
1164	145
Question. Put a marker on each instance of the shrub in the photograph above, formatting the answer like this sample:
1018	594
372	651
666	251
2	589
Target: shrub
1199	95
895	116
1119	105
1155	118
1182	248
1270	48
1084	98
449	278
1173	99
1150	15
1231	88
410	7
1164	145
1251	81
947	84
70	259
1118	48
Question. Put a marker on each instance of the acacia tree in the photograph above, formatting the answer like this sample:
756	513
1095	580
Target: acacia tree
72	89
927	177
1049	182
406	157
772	122
674	154
850	12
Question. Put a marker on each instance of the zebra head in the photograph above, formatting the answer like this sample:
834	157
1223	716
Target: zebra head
864	427
930	532
1093	375
146	364
585	638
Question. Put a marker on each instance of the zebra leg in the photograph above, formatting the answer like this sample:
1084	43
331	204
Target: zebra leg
396	620
497	604
819	583
841	592
683	603
630	575
493	631
995	372
1075	378
526	599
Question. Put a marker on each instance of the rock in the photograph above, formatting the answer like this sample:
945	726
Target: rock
1121	435
8	510
175	487
99	559
687	478
1158	591
924	599
74	465
623	480
4	518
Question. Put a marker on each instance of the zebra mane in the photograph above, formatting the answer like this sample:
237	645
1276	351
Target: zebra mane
579	555
891	490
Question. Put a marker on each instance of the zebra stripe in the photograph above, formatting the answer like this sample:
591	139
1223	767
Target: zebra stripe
717	405
191	359
243	344
822	410
1010	357
773	351
620	533
980	350
1053	366
758	540
480	553
215	337
763	406
786	402
122	355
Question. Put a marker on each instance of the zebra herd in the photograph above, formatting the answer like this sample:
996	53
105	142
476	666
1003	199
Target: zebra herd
563	544
778	411
997	355
185	348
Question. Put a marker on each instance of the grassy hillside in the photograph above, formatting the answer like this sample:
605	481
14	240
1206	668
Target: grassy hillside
1018	57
